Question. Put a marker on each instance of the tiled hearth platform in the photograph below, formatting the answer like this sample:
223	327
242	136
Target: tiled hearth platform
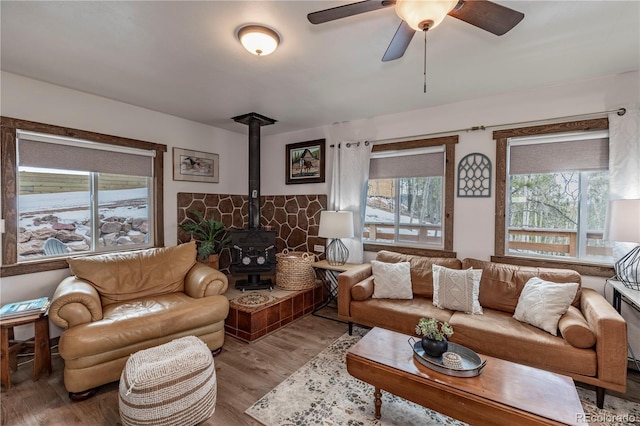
280	307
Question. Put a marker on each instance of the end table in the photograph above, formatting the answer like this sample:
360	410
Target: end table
9	348
632	297
328	274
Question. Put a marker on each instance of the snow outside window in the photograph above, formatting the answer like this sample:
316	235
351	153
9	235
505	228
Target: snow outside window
404	202
77	197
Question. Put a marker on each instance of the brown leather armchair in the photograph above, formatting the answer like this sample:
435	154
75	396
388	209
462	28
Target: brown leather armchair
119	303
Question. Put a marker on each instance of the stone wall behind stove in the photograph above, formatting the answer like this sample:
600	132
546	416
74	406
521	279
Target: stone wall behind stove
295	218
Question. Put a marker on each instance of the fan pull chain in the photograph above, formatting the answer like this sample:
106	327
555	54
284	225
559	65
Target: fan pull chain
424	66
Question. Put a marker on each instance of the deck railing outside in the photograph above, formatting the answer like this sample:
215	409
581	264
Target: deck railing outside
543	241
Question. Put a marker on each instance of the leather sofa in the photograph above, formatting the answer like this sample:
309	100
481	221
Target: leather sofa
119	303
601	362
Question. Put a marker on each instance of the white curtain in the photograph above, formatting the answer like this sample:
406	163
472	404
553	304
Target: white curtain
624	154
348	187
624	162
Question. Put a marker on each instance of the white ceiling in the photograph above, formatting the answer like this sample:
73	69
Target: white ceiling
182	58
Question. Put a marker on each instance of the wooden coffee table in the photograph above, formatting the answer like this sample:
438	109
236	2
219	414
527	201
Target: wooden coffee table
505	393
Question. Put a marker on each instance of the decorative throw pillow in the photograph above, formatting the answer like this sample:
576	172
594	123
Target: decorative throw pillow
391	280
457	289
542	303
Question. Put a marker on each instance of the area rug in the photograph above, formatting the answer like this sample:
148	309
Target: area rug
323	393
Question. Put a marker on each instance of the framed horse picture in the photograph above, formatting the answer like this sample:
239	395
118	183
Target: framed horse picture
305	162
195	166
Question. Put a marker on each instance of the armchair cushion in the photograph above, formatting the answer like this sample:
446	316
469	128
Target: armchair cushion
124	276
148	319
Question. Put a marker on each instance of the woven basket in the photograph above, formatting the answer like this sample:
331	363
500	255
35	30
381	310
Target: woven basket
294	270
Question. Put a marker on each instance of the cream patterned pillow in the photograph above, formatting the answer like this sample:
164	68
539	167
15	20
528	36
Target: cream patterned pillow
457	289
542	303
391	280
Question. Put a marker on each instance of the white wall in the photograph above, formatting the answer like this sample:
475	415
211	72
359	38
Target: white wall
474	217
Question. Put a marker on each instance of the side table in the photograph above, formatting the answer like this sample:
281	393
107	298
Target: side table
9	348
328	274
631	296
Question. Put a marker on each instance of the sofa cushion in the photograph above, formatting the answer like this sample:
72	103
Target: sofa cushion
542	303
575	329
131	275
421	273
457	289
500	335
125	325
501	283
400	315
391	280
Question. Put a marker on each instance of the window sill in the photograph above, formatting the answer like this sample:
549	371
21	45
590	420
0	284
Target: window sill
32	267
582	268
412	250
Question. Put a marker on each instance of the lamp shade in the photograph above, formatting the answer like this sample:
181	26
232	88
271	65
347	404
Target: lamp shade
336	224
624	221
424	14
258	39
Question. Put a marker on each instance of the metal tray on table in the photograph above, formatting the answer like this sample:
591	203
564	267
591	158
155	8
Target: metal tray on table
471	366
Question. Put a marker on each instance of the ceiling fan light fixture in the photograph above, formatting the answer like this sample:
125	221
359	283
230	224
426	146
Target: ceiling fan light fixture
258	40
424	14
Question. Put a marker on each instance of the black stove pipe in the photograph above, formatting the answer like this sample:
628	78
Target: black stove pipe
254	173
254	121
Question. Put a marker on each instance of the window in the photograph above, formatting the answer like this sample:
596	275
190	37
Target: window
72	195
554	193
409	201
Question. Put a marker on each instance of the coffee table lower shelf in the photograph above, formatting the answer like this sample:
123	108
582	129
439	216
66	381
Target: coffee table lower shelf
505	393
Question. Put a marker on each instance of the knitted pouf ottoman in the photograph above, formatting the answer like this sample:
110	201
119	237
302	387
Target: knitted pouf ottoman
170	384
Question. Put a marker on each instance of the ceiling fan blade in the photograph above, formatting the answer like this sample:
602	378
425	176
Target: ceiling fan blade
487	15
334	13
399	43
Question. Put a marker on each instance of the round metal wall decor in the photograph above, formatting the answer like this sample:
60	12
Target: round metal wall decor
474	176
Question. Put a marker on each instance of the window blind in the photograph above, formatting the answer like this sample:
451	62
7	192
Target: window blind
407	166
45	151
587	151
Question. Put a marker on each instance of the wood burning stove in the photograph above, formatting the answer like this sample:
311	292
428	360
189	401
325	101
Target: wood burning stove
253	250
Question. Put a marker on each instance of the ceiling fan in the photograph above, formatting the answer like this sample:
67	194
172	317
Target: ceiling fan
422	15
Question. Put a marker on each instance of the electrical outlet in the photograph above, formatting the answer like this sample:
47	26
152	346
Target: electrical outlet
318	248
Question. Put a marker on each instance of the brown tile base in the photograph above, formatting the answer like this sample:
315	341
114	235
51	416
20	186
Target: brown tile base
249	326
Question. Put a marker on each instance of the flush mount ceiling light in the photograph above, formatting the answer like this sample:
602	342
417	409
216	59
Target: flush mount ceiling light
259	40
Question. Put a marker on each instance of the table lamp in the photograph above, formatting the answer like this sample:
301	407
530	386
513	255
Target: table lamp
336	225
625	227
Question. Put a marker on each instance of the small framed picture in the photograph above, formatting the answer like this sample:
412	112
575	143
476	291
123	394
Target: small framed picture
195	166
305	162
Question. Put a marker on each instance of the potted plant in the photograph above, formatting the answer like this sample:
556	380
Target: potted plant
434	336
210	234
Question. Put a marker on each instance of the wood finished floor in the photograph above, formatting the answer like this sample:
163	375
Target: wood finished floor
245	373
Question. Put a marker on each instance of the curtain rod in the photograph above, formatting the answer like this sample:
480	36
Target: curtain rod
619	111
